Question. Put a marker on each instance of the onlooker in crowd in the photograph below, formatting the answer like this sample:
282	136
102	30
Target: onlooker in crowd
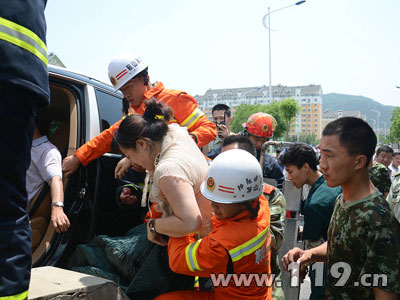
260	128
393	197
129	73
277	207
380	177
300	162
363	236
394	166
239	244
45	168
222	118
384	155
24	87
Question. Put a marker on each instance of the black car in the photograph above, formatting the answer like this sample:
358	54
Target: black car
80	109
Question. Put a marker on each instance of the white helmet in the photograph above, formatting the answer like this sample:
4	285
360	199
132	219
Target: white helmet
234	176
123	68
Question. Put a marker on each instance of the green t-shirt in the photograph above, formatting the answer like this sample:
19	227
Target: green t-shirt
363	249
318	210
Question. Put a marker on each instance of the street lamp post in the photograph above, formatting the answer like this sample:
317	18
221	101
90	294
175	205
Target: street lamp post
377	123
269	39
373	126
384	123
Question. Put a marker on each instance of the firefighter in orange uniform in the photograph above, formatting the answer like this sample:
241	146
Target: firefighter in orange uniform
239	243
129	74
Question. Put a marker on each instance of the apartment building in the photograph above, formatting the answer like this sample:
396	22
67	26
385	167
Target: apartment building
308	121
331	115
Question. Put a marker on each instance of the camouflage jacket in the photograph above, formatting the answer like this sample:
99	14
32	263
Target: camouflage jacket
380	177
277	207
393	197
363	249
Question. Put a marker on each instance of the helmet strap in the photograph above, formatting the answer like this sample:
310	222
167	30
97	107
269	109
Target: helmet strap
146	78
253	210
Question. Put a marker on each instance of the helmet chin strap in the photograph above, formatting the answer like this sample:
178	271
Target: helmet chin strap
253	211
146	77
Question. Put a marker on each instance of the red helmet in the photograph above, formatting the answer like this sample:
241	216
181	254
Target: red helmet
261	124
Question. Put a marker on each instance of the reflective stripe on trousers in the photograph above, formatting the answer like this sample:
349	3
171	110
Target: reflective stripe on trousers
22	296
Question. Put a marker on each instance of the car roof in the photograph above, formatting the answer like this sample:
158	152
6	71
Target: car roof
81	77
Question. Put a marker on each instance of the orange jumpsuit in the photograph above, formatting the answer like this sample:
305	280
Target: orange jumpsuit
186	113
248	243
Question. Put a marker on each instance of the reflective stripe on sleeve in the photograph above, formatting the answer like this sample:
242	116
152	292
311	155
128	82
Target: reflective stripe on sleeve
192	119
24	38
22	296
250	246
190	253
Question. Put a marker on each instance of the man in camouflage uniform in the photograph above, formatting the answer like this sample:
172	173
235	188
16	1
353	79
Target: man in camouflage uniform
380	177
277	207
394	196
362	251
300	162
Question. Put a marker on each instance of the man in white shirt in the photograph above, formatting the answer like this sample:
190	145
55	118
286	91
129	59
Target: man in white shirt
45	167
394	166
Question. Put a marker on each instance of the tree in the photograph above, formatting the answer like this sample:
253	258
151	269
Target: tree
305	138
288	108
395	127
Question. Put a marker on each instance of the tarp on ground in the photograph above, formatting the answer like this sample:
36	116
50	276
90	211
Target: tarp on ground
137	265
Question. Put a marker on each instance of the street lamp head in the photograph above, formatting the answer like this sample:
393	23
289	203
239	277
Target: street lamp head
300	2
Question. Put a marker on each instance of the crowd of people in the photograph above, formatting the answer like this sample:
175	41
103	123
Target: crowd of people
209	210
198	203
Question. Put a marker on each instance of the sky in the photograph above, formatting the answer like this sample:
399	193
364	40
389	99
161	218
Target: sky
346	46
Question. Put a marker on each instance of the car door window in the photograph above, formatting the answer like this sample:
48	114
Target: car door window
110	109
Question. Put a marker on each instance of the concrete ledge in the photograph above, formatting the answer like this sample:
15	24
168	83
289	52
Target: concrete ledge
54	283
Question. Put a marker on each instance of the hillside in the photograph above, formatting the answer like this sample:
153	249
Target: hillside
334	102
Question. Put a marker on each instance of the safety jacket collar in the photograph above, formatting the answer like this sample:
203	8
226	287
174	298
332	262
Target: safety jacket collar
154	91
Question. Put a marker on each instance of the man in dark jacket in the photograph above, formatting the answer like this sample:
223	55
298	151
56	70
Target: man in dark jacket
24	87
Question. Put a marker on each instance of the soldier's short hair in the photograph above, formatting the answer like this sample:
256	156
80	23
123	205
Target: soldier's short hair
299	154
354	134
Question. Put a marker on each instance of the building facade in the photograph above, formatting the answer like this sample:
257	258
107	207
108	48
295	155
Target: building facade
308	121
330	115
